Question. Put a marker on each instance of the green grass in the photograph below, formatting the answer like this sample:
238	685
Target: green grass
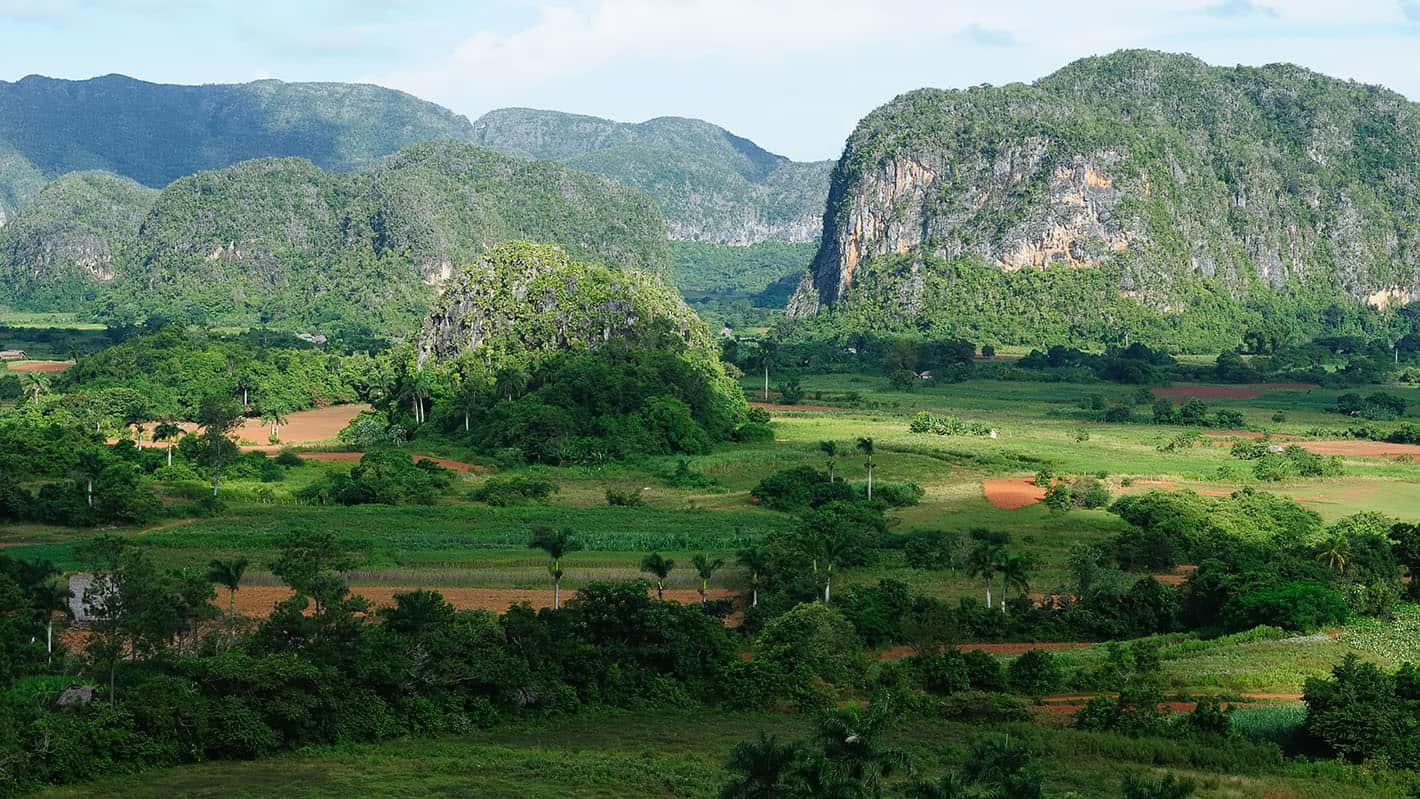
680	754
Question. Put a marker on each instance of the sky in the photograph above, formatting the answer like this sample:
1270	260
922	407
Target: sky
793	75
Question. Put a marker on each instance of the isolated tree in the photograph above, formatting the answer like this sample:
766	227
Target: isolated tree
36	383
659	566
853	744
1015	573
865	446
273	417
984	562
754	563
228	574
86	470
765	351
166	431
556	543
218	416
762	769
830	451
51	599
312	563
1335	552
705	568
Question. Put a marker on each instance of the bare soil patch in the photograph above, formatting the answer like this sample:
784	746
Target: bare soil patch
39	366
1185	391
1178	576
301	427
1360	448
1010	493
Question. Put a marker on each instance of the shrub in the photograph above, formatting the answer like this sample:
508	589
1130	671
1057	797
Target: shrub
984	706
686	477
1035	674
925	422
1209	717
501	492
289	459
898	495
1142	786
789	490
1302	605
1090	493
628	498
1058	498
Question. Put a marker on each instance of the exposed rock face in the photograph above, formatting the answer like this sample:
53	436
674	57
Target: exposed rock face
711	185
66	239
523	297
1156	167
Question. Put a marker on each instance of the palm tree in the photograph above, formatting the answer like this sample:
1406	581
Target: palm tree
830	451
556	543
705	568
166	431
762	768
228	574
49	599
852	741
755	564
950	786
865	446
1335	552
36	383
1015	573
274	418
765	350
86	468
661	567
984	561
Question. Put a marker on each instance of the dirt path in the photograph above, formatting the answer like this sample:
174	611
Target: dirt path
1010	493
1185	391
770	406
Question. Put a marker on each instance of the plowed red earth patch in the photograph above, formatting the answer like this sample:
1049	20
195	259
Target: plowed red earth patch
39	366
258	600
1182	393
1361	448
1010	493
302	427
1074	703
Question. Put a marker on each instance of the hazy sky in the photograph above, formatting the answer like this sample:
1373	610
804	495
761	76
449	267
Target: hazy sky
794	75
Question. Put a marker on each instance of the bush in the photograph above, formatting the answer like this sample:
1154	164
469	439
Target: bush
925	422
1035	674
789	490
1302	605
289	459
686	477
984	707
501	492
898	495
1142	786
629	498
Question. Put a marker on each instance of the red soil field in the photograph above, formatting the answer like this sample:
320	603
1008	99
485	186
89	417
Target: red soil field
302	427
39	366
1182	393
1360	448
1010	493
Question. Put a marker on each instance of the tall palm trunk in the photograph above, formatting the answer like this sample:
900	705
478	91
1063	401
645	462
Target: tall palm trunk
170	454
828	585
89	491
988	594
556	592
766	383
870	481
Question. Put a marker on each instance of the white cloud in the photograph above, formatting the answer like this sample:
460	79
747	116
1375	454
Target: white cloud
1237	9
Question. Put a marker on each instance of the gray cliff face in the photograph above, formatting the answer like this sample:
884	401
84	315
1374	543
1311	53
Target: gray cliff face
1155	167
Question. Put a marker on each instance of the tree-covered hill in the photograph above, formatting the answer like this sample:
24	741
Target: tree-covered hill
60	249
712	185
285	243
1215	202
157	133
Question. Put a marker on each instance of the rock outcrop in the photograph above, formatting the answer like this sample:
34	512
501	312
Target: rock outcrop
1157	168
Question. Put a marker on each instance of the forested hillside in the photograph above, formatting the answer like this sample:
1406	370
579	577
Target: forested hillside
156	133
712	185
1166	195
60	249
282	242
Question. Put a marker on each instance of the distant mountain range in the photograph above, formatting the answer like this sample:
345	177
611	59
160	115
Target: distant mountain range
711	185
283	242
